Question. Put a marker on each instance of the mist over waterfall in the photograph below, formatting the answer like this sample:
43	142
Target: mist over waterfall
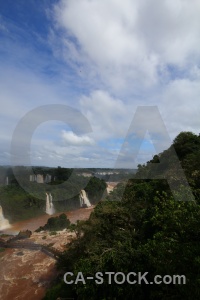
84	199
4	223
50	210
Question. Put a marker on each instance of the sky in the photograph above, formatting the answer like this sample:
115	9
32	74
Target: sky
104	59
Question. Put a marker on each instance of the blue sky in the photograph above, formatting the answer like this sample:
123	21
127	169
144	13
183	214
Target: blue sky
104	58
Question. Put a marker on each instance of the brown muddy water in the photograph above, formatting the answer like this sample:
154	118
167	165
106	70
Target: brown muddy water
26	274
34	223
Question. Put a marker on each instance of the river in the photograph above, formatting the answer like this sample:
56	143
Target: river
34	223
26	274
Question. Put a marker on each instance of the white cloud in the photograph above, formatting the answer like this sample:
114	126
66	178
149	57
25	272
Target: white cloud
171	29
108	116
179	106
22	91
71	138
109	57
131	42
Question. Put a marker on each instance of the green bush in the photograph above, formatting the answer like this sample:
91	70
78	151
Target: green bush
55	223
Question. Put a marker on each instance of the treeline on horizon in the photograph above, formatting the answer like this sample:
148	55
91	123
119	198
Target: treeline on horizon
140	227
61	173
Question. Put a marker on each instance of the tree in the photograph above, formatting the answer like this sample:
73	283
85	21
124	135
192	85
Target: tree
147	231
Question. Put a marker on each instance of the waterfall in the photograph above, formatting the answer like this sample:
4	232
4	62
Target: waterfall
4	223
81	200
49	204
84	199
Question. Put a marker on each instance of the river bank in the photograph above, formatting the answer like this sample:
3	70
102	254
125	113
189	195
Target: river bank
34	223
26	274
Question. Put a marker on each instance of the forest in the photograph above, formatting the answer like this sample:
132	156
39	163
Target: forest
18	204
140	227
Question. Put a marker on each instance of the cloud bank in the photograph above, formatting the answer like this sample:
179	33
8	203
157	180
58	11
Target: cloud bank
104	58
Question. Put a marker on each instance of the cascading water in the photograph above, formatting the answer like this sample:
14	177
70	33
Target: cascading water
84	199
4	223
50	210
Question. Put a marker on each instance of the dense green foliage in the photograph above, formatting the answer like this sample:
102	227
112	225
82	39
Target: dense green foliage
95	189
55	223
18	204
146	230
